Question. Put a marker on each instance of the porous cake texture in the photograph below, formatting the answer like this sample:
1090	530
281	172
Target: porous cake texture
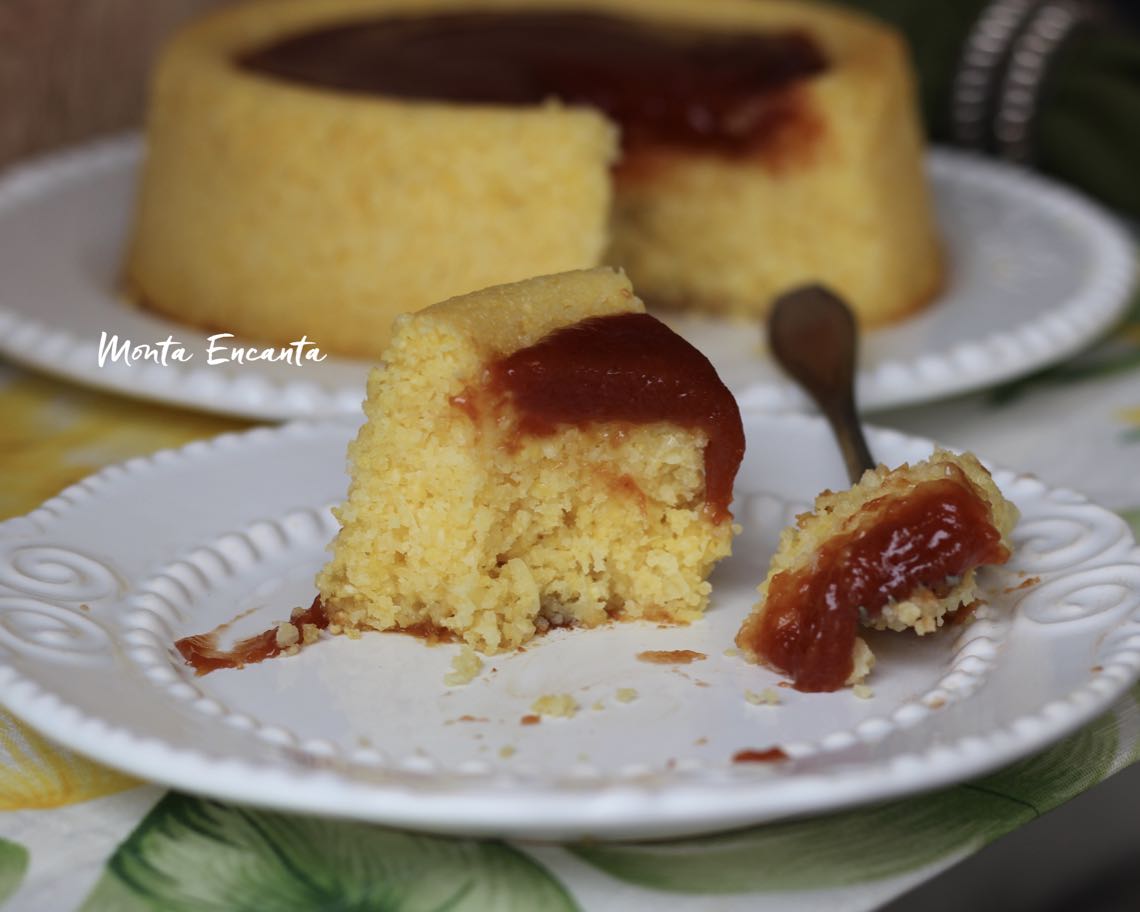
456	524
849	514
277	210
839	196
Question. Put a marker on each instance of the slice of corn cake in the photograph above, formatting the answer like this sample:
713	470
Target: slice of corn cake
537	454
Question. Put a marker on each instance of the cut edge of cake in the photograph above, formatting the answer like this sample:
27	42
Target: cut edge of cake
448	532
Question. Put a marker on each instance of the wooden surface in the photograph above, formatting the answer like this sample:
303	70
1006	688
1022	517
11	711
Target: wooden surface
74	69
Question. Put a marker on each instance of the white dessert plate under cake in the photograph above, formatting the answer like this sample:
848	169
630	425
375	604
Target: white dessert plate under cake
97	584
1034	273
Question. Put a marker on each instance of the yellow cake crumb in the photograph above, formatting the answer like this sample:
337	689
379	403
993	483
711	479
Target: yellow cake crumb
626	694
766	697
555	705
862	691
507	751
286	635
465	667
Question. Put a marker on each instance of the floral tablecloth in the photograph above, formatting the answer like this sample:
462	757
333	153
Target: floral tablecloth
74	835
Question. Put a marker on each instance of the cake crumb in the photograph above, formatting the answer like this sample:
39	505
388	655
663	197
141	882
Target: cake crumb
506	751
701	742
671	656
626	694
465	667
766	697
561	706
286	635
530	719
1026	583
862	691
732	651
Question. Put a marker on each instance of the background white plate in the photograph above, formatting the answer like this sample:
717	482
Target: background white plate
96	584
1034	273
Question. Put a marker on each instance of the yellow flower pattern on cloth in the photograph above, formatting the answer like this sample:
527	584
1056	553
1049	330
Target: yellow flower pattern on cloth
1130	416
35	774
52	435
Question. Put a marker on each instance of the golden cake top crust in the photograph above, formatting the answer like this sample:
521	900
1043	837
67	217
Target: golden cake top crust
500	320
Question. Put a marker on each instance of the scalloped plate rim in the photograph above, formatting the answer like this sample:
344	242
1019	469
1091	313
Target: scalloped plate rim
660	810
890	383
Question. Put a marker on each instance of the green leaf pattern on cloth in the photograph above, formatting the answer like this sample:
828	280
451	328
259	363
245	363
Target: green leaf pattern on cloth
13	864
193	854
1134	753
840	850
1052	777
870	844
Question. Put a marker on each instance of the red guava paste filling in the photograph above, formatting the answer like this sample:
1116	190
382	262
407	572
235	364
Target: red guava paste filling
201	652
729	92
630	368
940	530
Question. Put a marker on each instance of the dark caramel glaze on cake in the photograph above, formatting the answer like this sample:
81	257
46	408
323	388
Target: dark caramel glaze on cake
699	89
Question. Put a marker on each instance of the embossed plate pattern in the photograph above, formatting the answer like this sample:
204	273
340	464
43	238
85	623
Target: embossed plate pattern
97	583
1034	273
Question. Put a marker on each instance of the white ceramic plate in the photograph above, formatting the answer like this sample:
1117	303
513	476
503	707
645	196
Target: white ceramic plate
1035	273
97	583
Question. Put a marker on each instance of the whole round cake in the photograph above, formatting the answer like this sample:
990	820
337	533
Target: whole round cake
316	169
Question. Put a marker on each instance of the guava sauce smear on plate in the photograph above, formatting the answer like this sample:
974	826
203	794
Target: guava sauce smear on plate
202	653
920	543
